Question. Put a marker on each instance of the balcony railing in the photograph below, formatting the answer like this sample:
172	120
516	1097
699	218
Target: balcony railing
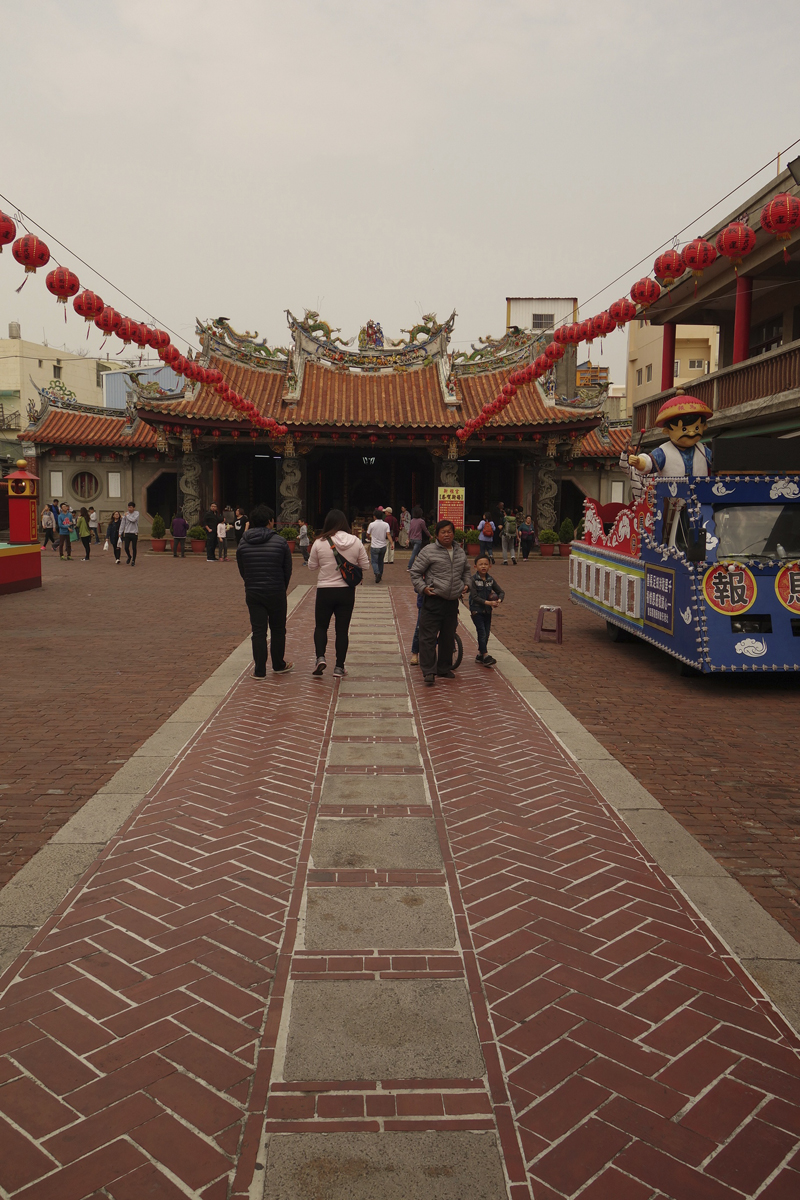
10	420
768	375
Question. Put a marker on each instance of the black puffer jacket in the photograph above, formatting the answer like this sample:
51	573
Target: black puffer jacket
264	561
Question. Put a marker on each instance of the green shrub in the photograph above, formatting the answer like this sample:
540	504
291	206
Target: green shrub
471	537
159	528
289	532
197	533
547	537
460	536
567	531
581	529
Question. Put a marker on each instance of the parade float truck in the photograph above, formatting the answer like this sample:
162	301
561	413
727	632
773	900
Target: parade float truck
706	568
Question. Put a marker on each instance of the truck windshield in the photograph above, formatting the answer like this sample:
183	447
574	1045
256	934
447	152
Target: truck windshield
758	530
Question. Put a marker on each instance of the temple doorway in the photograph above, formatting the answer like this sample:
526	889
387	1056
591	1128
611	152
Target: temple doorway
249	478
162	496
357	481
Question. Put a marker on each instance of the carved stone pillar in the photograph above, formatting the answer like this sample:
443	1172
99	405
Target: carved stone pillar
546	493
189	485
291	486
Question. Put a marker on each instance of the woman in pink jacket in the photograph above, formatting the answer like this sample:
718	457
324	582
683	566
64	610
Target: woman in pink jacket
335	597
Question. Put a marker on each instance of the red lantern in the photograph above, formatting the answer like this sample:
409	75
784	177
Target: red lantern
561	335
554	352
141	334
697	255
157	339
63	283
31	253
178	364
88	305
215	433
253	434
668	267
603	324
213	376
542	364
736	241
587	330
622	310
224	389
645	292
125	329
169	354
108	321
509	390
781	217
8	230
234	433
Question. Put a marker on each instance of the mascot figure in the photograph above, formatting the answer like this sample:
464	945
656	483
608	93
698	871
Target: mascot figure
684	418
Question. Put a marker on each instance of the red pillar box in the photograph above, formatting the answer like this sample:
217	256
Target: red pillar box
21	559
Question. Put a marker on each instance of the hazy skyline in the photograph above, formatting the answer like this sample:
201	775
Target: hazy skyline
375	160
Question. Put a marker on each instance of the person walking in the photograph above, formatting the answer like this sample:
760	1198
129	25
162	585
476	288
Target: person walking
48	524
486	537
129	529
336	595
94	525
526	537
85	532
302	541
394	528
441	574
265	565
210	522
113	535
405	525
417	534
179	527
485	595
379	536
222	538
508	538
66	526
239	525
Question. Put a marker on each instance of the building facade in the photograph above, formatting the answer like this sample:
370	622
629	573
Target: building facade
696	353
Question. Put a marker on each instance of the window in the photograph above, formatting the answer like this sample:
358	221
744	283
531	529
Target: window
676	367
648	373
617	491
543	320
639	377
41	363
56	485
85	485
114	485
766	336
696	364
56	372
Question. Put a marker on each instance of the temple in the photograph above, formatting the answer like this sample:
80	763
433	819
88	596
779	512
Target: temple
370	420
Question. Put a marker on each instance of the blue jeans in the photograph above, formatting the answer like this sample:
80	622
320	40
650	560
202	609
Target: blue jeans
376	557
483	627
415	549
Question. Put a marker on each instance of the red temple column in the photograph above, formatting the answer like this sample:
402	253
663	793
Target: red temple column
216	482
668	357
741	324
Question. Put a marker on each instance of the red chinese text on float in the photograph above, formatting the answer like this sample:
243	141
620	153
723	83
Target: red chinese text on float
781	216
645	292
668	267
31	253
88	305
622	311
603	324
736	241
8	230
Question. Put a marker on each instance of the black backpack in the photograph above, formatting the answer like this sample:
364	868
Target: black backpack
350	573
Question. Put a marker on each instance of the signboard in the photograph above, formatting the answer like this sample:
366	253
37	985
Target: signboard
451	505
787	587
729	590
659	598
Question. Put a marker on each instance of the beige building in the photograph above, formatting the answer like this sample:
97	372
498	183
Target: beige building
696	355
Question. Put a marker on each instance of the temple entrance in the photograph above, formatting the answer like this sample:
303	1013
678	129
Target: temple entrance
162	496
357	481
249	478
488	479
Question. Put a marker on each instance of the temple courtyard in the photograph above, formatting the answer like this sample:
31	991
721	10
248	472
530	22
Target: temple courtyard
531	933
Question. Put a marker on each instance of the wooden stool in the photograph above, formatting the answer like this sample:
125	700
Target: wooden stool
540	626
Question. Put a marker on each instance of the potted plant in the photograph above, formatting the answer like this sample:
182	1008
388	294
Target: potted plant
566	534
289	532
471	543
548	540
580	532
157	540
197	536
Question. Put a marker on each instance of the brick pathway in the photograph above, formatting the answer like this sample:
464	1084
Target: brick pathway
720	753
344	911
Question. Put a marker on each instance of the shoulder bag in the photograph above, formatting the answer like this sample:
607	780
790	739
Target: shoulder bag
350	573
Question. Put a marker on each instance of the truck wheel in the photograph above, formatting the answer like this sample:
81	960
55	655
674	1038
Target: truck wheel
617	634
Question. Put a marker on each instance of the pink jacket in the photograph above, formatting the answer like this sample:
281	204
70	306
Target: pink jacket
322	558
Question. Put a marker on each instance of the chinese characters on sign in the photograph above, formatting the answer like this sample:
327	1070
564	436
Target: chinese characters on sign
787	586
659	601
451	505
729	589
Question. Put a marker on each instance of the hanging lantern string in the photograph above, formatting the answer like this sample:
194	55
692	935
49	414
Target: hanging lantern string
23	216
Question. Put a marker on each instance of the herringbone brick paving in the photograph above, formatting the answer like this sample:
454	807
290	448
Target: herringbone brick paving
137	1030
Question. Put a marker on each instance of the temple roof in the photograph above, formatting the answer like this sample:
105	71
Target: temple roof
66	427
595	445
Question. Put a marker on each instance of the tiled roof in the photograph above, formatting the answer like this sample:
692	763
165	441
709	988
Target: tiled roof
60	427
400	399
594	447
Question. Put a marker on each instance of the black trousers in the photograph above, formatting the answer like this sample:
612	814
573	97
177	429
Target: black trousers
267	611
49	536
211	545
176	542
338	603
87	544
438	618
130	541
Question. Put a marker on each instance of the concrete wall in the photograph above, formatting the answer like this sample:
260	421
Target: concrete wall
131	477
645	344
520	309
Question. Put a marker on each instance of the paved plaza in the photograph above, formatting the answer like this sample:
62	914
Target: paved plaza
366	939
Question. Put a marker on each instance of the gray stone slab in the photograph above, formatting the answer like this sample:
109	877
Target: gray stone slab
36	889
379	671
781	982
392	704
450	1165
675	850
138	774
748	928
373	754
196	708
378	918
374	727
374	687
374	789
382	1029
13	940
616	785
169	739
385	843
99	819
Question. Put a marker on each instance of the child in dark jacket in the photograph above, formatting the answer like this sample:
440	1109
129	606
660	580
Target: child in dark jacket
485	595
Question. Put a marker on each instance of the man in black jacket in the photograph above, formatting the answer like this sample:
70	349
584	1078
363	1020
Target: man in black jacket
210	522
265	565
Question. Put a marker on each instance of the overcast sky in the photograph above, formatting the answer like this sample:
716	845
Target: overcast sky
380	160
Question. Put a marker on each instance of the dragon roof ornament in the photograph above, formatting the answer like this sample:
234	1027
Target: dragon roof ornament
222	340
315	339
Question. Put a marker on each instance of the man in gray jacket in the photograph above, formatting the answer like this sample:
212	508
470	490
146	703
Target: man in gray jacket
440	573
